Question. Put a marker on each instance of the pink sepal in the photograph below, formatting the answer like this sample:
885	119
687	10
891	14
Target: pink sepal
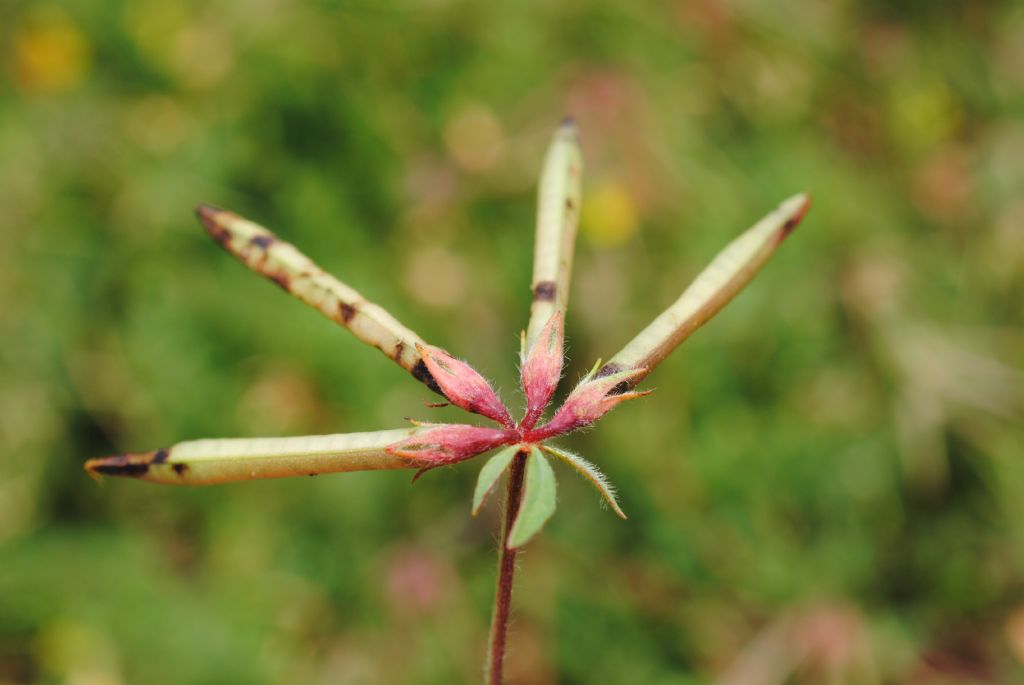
589	402
542	369
463	386
451	443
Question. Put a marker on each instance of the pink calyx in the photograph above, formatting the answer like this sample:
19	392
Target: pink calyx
463	386
449	443
589	401
541	369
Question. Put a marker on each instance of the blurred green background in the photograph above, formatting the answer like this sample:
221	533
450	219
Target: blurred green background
826	487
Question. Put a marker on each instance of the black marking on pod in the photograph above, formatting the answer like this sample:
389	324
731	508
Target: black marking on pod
209	218
347	311
608	370
545	291
121	465
421	373
263	240
180	469
160	456
618	389
794	221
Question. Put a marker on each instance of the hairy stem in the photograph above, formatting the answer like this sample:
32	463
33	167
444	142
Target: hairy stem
506	574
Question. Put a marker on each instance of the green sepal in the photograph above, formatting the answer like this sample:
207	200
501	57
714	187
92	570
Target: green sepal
539	500
591	473
489	475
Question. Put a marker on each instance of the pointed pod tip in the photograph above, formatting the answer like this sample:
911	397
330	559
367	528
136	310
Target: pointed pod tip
209	215
568	129
131	466
212	219
805	202
206	210
796	207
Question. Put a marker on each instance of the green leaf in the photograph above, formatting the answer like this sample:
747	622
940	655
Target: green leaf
489	475
591	473
538	503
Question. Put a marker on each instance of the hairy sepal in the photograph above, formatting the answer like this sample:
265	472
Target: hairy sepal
591	473
542	368
538	503
463	385
490	473
590	400
450	443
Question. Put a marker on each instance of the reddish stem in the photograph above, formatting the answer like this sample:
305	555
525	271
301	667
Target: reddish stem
506	574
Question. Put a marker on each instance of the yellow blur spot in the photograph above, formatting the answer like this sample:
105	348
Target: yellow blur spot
158	123
72	651
1013	630
436	276
198	54
609	216
203	56
49	54
474	138
923	113
155	27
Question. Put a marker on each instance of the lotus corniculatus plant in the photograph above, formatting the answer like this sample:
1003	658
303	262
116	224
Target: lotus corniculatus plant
524	449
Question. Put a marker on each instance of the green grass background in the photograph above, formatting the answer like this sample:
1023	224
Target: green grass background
826	487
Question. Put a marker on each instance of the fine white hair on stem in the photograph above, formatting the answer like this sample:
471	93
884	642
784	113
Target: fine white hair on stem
266	254
204	462
558	210
726	275
589	472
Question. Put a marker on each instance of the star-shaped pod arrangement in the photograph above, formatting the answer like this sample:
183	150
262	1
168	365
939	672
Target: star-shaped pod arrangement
524	446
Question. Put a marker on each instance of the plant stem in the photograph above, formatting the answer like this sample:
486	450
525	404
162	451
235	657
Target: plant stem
506	574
